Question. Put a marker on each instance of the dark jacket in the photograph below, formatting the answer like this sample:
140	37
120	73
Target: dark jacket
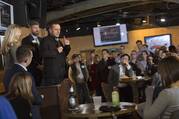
36	60
114	74
135	68
103	68
21	107
37	98
54	62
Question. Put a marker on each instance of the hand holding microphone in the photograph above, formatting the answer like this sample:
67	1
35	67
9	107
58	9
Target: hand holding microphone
60	49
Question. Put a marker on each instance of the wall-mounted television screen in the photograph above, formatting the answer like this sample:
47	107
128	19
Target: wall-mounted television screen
109	35
6	15
157	41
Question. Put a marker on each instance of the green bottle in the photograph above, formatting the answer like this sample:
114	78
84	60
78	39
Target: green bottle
115	97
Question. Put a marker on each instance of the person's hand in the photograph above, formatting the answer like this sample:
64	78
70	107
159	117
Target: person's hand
66	41
126	62
60	49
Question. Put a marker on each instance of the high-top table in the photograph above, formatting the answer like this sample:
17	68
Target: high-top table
135	84
87	111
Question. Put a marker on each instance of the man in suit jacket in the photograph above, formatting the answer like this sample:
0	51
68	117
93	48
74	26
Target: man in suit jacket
119	70
54	53
24	57
33	42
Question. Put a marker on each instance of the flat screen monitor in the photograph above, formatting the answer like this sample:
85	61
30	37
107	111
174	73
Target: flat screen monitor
157	41
110	35
6	15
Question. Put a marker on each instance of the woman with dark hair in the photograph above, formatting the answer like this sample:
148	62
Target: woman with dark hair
20	95
167	103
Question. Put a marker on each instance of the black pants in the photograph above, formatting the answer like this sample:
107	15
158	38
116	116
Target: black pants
83	93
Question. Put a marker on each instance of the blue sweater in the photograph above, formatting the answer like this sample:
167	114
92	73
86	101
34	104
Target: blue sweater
6	111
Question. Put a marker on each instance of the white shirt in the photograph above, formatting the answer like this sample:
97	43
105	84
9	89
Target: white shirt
80	75
22	66
36	40
122	69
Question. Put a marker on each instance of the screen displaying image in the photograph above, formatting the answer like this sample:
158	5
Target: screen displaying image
154	42
108	35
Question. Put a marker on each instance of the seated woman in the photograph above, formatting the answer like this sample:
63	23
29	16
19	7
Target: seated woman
168	100
20	95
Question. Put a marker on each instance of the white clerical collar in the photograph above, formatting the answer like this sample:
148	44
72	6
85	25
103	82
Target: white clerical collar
22	66
34	37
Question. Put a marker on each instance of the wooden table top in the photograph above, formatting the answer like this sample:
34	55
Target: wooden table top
87	110
132	80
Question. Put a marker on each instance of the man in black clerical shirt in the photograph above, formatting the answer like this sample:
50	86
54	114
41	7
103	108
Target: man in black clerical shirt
54	52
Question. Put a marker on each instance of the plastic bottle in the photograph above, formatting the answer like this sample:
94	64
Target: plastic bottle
72	98
115	97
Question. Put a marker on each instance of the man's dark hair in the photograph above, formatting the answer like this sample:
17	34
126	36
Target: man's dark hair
172	49
105	50
125	55
53	23
122	46
22	53
145	45
92	51
34	23
138	41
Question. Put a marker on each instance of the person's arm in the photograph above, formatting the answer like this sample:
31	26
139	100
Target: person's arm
66	49
87	73
129	70
37	97
153	111
70	75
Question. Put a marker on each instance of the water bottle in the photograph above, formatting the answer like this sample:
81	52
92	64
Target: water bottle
72	98
115	97
133	75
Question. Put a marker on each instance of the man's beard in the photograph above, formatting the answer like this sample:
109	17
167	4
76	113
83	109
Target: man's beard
35	34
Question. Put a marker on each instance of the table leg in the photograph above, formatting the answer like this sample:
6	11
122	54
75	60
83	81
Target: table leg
135	92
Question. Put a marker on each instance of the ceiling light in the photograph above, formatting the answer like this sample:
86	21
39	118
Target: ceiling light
78	28
117	24
144	21
162	20
98	24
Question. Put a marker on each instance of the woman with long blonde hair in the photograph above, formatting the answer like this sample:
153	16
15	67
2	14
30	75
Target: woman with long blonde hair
9	45
20	95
